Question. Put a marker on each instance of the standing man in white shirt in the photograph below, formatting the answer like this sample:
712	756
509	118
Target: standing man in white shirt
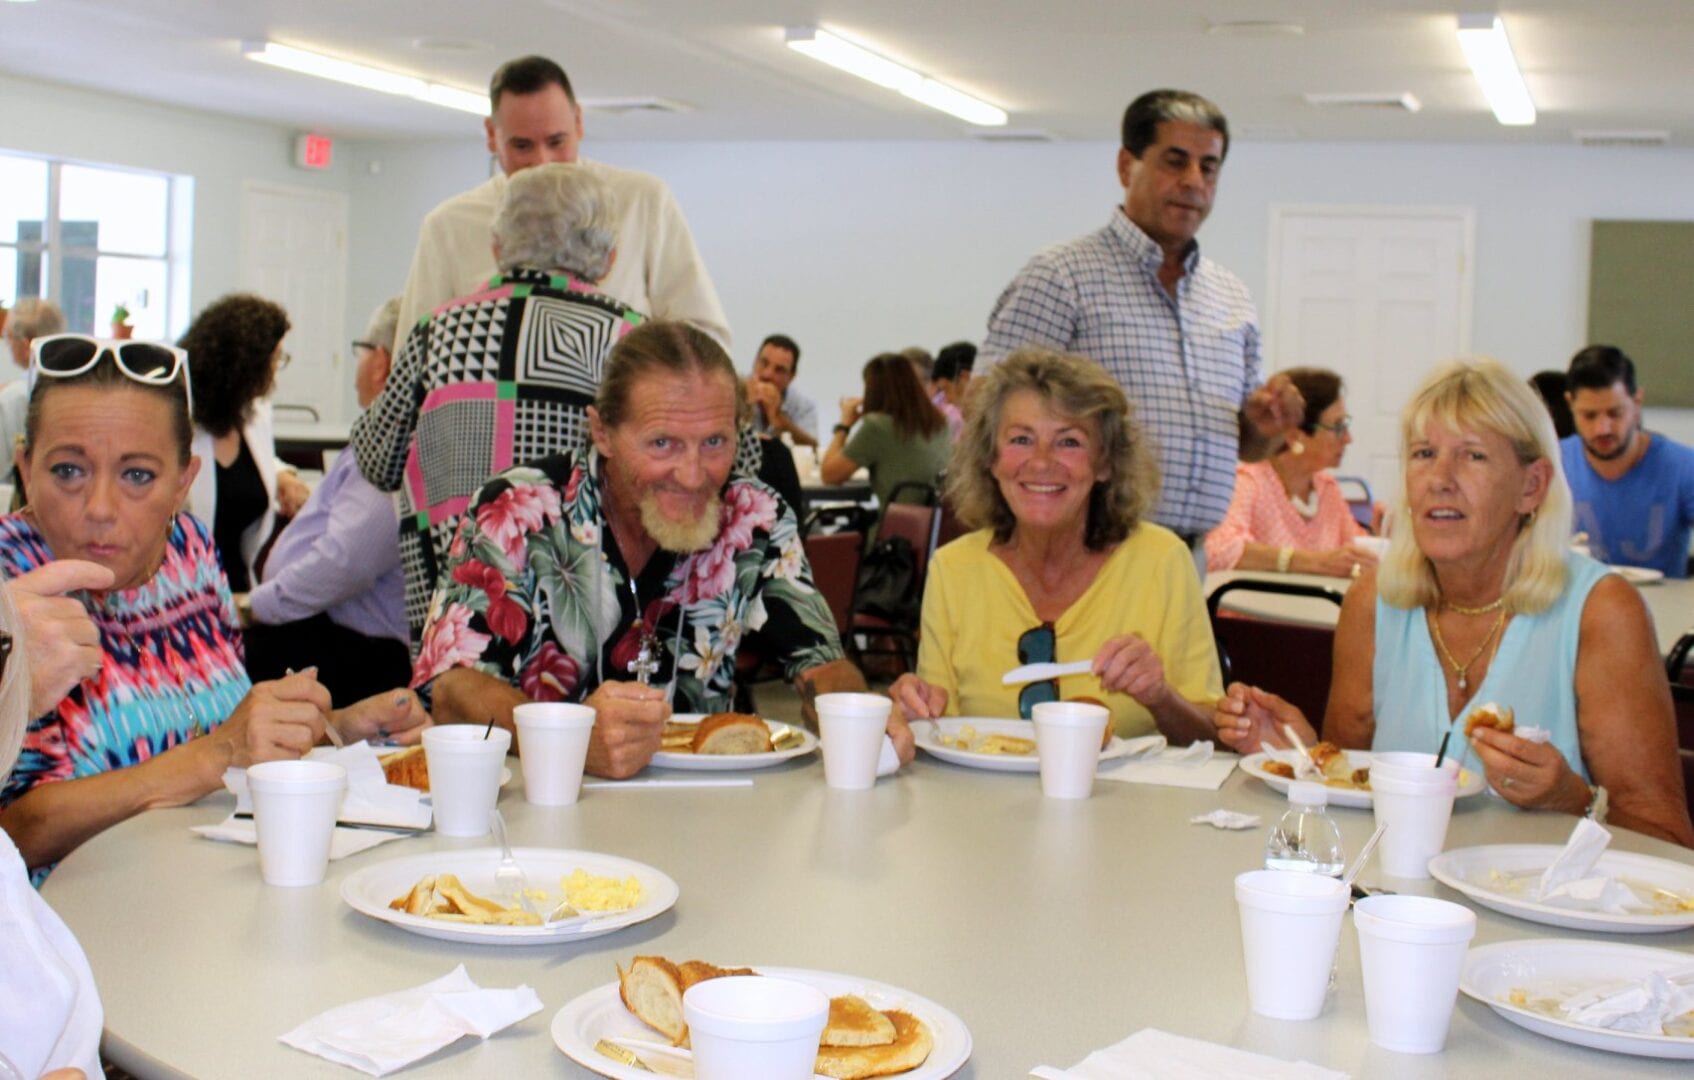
535	119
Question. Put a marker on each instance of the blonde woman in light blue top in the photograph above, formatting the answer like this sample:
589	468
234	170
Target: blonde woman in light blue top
1480	600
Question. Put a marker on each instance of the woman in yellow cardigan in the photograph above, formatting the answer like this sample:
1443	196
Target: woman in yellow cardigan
1055	475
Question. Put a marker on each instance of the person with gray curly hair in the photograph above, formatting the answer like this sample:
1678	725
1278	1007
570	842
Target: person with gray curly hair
501	375
1057	476
557	216
29	319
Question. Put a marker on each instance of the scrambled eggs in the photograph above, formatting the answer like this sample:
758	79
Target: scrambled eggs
591	892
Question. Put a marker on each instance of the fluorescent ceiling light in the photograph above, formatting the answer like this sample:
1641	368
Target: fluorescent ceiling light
840	53
370	78
1483	38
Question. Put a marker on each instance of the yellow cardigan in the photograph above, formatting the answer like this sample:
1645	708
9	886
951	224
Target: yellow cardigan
974	610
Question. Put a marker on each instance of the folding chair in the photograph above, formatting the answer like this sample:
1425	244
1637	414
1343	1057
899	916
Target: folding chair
1290	659
1356	490
898	638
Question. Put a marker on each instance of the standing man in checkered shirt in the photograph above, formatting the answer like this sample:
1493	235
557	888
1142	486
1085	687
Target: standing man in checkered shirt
1176	330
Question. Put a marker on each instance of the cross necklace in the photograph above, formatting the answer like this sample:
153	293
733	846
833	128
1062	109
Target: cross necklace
646	662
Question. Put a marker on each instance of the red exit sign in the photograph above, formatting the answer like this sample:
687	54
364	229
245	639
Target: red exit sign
313	151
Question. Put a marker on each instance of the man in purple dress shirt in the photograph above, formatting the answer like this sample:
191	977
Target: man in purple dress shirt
332	592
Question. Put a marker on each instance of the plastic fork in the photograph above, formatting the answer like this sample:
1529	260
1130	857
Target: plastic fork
509	877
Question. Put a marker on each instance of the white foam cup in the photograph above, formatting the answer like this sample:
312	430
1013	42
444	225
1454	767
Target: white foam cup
552	747
464	775
1416	812
743	1026
294	809
1290	924
850	727
1376	545
1067	742
1410	764
1411	950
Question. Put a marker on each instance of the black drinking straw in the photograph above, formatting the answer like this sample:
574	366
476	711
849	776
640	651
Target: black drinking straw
1441	755
489	730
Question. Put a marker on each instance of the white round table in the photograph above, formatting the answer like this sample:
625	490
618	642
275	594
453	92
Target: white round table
1051	928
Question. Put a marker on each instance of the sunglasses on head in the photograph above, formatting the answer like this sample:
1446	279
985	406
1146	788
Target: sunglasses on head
64	356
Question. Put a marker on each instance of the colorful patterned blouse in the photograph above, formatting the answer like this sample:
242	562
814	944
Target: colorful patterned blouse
172	668
536	593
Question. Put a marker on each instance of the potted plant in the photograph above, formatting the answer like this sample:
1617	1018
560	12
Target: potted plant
121	328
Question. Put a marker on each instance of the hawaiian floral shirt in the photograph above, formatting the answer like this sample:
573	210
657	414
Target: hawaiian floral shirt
537	593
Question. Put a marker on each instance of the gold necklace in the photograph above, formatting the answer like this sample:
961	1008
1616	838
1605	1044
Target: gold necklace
1483	610
1458	668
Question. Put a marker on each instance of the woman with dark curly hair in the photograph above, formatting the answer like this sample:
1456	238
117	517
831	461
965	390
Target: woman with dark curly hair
1056	476
234	351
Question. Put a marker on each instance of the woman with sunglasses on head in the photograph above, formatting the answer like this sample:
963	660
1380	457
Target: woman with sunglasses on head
106	457
234	353
1288	513
1055	474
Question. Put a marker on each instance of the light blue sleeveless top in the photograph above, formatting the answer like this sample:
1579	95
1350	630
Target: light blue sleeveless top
1534	672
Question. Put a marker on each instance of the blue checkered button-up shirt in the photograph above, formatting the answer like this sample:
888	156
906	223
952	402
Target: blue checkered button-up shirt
1188	362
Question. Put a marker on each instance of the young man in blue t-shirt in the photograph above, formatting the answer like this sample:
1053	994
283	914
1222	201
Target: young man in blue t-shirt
1634	490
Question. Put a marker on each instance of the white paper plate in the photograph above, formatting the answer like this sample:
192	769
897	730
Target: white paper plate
670	759
1470	781
370	890
1638	575
927	734
1492	972
1469	871
599	1014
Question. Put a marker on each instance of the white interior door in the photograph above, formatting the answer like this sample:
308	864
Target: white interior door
294	251
1378	294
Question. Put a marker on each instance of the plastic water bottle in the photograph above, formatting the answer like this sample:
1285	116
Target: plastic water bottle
1306	838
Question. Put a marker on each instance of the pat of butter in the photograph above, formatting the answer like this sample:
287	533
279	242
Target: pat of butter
591	892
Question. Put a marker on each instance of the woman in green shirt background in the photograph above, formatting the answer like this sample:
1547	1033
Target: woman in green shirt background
900	435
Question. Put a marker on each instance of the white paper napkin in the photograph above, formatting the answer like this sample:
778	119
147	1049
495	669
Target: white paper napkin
1226	819
1151	1054
381	1034
370	797
1203	769
1642	1005
1586	844
342	842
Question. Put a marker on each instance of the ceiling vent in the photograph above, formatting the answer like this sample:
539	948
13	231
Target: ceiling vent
1403	102
1013	135
627	106
1621	138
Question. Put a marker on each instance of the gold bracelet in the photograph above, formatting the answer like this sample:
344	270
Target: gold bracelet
1284	557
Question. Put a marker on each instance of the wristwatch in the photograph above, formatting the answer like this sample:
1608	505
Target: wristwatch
842	429
1599	804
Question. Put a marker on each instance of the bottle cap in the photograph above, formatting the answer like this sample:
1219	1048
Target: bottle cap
1308	793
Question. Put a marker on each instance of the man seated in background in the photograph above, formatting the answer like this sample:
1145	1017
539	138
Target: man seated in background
779	408
625	576
331	593
953	367
1634	490
29	319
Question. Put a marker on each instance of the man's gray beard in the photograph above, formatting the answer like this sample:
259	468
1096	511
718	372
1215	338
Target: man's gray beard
1625	445
681	537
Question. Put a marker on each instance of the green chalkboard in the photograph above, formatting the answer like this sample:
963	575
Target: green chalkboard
1641	299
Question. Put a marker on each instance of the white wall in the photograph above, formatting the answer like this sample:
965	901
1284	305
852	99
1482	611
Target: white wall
858	247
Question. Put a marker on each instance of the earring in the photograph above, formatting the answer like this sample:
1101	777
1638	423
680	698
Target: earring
1296	448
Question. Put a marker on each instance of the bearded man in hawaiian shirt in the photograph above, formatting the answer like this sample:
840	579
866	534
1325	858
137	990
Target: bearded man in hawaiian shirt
575	572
